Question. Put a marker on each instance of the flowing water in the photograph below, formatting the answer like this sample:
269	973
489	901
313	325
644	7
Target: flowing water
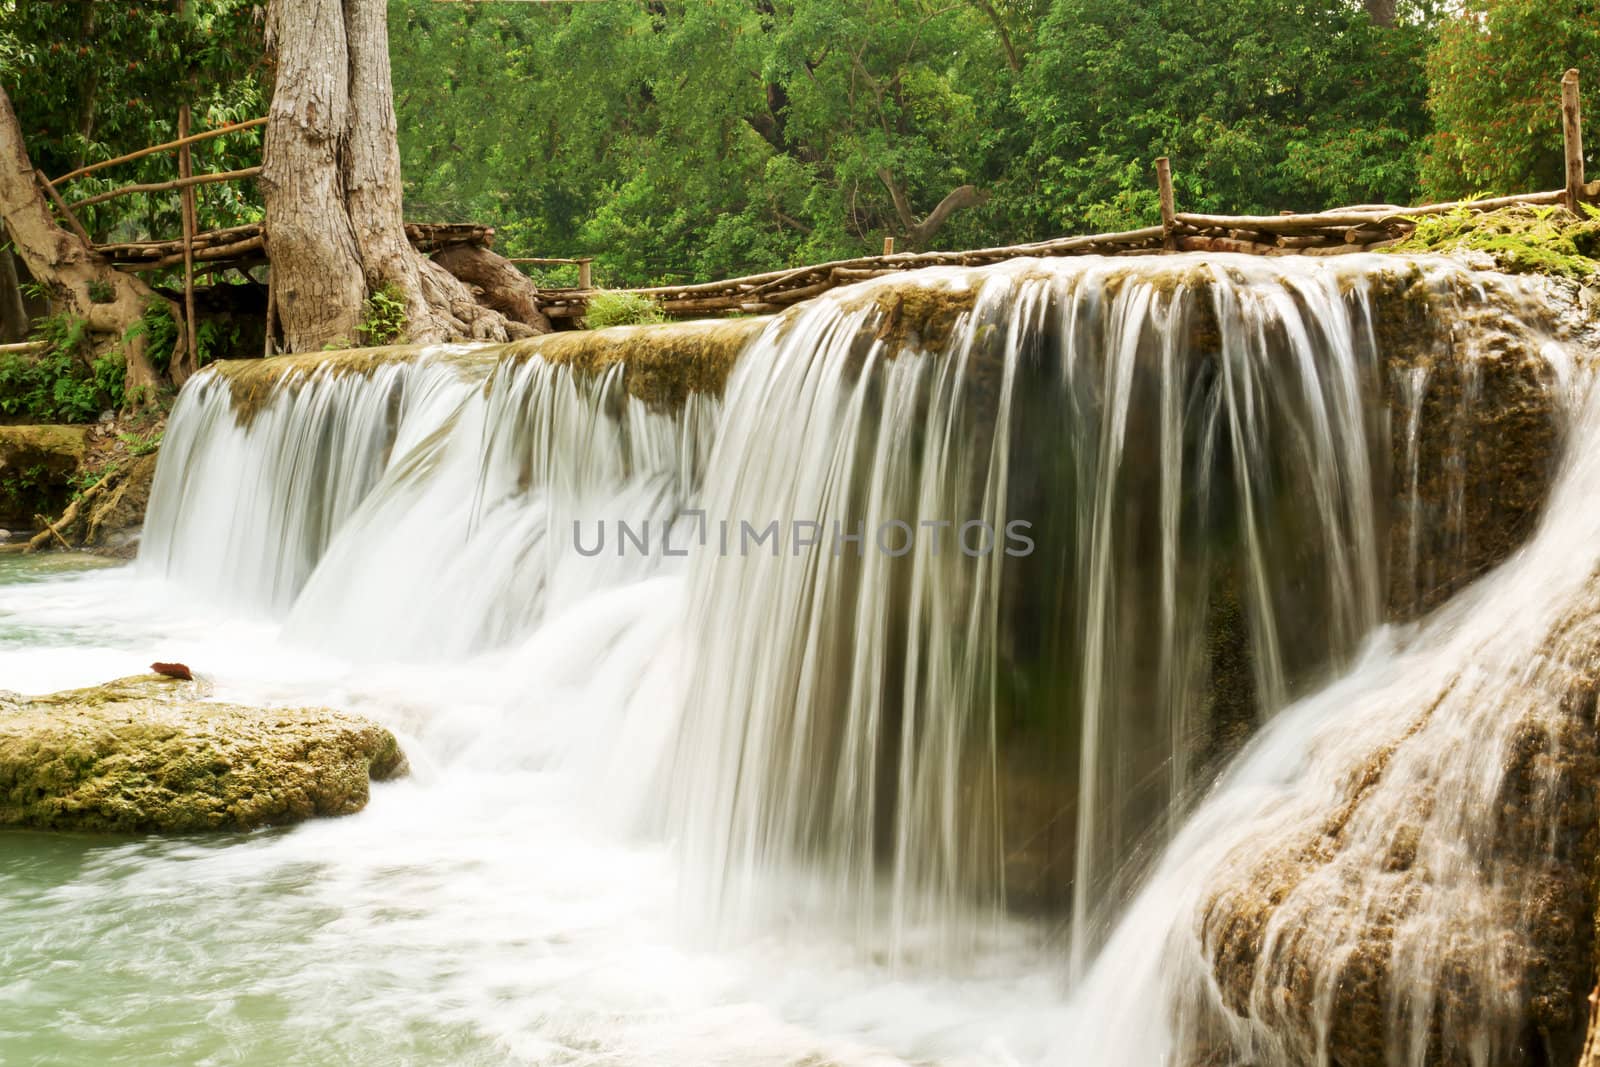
831	721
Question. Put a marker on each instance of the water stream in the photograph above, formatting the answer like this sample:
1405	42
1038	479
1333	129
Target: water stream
839	719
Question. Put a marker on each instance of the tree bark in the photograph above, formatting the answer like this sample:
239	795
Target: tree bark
1382	12
918	234
68	267
505	288
13	315
331	182
317	274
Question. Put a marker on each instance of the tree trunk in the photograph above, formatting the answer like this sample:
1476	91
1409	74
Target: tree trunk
331	180
68	267
13	315
316	264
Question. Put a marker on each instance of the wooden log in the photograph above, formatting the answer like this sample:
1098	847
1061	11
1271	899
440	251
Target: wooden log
888	246
61	205
1169	203
585	273
25	347
1300	224
1306	240
794	296
193	138
190	224
1365	235
1572	138
211	254
166	187
1222	244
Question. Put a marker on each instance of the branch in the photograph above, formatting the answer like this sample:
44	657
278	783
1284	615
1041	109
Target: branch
919	233
1012	59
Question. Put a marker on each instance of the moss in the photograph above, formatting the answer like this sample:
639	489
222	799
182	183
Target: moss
149	754
36	464
1523	239
914	315
253	383
664	363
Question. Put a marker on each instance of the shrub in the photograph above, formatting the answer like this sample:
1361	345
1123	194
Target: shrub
383	316
1522	239
621	309
60	384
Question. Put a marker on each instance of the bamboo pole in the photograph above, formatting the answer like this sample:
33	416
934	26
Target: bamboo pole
1169	204
24	347
194	138
165	187
55	198
186	170
1572	137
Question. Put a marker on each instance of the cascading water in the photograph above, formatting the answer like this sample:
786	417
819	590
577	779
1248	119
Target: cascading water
952	605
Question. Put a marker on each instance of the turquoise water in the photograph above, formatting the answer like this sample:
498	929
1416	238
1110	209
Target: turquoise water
491	909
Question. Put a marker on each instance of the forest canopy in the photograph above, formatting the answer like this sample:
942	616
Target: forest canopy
679	141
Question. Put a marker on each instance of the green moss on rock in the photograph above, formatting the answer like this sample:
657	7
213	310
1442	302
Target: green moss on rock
1523	239
147	754
35	463
663	364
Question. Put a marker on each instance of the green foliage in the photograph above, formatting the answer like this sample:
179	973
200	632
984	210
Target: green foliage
96	79
23	491
214	338
65	383
1261	106
621	309
1495	95
383	316
141	444
1522	239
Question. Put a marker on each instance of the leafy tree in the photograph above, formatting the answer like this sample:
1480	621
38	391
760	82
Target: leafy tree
95	80
1261	105
683	140
1494	92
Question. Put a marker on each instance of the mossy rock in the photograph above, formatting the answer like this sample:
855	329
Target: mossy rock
1523	239
35	465
148	754
663	364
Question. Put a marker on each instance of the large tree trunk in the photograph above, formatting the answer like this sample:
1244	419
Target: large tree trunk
69	268
331	179
1382	12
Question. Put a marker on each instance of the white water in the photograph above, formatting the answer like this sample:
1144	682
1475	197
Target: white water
617	845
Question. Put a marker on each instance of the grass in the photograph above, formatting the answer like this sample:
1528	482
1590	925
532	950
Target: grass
621	309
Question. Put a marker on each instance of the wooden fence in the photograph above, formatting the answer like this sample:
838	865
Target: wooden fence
1353	229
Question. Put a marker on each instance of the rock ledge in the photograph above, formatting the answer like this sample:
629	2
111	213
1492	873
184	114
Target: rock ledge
148	754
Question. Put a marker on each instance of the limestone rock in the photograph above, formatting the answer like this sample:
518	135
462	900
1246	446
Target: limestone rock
147	754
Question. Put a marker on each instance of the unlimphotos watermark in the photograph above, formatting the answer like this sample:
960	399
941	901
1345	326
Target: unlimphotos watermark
974	538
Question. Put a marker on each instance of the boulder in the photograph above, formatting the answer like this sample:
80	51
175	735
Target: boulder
35	464
148	754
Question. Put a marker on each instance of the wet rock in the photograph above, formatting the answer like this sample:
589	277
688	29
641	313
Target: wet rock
149	754
35	462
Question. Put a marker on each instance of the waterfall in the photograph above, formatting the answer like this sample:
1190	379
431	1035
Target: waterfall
965	588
